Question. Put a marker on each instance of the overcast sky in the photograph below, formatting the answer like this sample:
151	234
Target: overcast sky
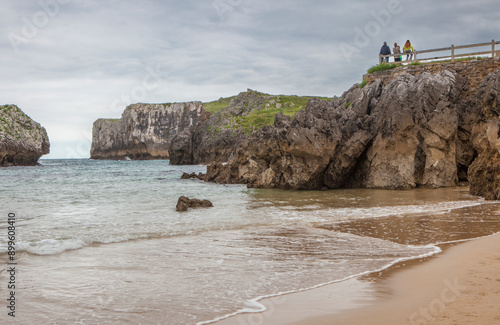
67	63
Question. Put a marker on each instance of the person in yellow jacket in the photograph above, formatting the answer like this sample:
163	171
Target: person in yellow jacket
408	48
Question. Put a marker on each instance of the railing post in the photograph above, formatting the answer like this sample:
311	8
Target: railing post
493	48
452	53
379	58
415	56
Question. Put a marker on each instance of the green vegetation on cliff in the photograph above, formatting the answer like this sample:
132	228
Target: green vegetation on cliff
22	140
253	110
388	66
14	124
218	105
111	120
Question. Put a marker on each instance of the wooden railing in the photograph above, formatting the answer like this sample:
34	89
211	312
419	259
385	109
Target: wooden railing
415	55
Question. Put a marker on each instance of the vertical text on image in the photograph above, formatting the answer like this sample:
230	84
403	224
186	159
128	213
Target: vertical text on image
11	264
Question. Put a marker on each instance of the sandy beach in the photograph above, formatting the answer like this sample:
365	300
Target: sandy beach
461	285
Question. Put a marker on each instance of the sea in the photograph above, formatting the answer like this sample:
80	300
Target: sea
101	242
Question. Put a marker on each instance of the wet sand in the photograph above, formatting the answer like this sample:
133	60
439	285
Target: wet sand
461	285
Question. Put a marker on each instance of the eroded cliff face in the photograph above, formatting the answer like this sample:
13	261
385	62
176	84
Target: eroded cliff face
216	139
429	129
144	131
484	172
22	140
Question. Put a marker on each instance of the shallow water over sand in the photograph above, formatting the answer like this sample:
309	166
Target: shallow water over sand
101	242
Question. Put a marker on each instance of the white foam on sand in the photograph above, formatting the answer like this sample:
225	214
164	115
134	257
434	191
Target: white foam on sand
254	305
52	246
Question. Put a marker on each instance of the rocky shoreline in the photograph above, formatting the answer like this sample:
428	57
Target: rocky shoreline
414	126
416	130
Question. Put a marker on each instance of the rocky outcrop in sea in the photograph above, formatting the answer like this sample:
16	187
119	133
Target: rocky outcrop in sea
22	140
428	126
144	131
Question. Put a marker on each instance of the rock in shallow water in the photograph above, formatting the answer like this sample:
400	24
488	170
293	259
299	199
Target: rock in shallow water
199	176
184	203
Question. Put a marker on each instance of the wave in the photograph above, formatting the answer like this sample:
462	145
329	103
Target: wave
254	305
51	246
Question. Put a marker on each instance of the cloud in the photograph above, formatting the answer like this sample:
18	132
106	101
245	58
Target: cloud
68	62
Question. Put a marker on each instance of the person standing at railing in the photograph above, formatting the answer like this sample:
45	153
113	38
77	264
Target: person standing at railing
408	48
396	50
385	50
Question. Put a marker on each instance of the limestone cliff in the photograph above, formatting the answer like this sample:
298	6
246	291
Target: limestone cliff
22	140
218	137
484	172
144	131
429	126
231	121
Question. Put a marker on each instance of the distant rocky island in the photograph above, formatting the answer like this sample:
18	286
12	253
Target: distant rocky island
144	131
431	125
22	140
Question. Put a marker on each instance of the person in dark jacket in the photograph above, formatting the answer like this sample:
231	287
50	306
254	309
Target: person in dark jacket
385	50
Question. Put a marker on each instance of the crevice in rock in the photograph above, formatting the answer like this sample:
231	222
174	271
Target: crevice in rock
353	177
419	161
463	170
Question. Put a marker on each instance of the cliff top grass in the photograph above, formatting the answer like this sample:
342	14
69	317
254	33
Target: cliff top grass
111	120
217	105
255	115
388	66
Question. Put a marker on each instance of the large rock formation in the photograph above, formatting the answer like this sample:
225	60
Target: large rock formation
186	133
22	140
218	137
409	130
144	130
484	172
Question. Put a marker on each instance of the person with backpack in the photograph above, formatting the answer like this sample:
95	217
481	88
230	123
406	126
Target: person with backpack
396	50
385	50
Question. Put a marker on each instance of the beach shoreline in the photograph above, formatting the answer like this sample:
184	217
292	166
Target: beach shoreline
460	285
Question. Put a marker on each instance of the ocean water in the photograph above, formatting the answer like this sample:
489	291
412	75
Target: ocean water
100	242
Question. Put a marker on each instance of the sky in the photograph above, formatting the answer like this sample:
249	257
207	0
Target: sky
67	63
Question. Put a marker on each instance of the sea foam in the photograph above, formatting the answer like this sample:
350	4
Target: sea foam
52	246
